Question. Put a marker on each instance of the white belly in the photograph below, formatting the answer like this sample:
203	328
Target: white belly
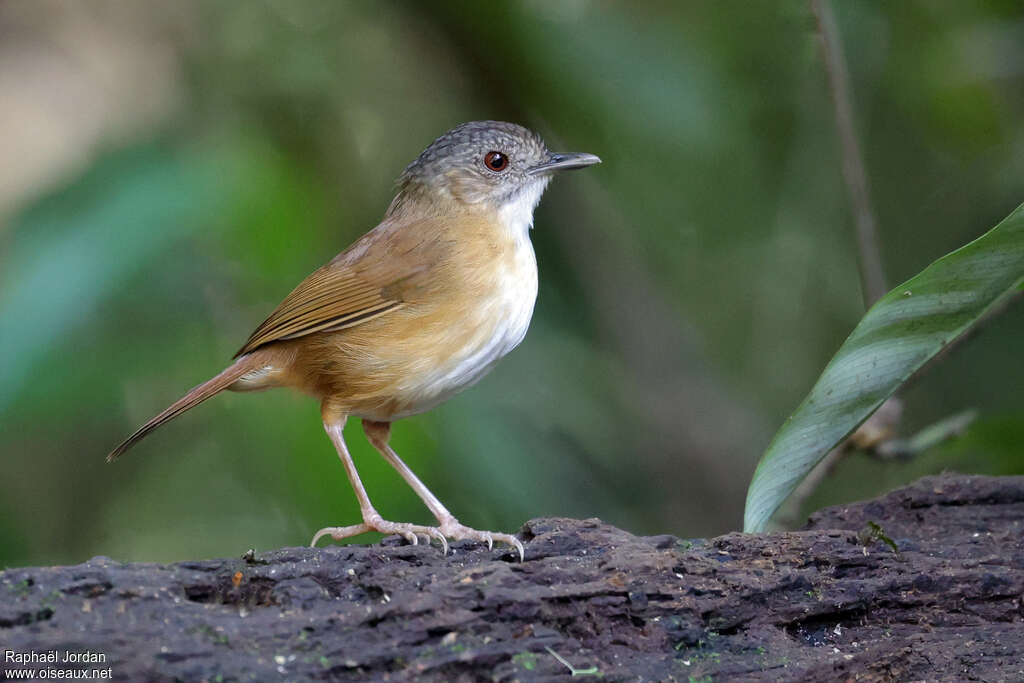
500	321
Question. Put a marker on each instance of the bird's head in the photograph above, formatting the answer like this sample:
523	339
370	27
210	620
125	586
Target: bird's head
492	165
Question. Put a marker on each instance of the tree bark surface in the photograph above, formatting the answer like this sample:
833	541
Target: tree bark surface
830	602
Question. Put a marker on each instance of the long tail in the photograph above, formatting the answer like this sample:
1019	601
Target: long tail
194	397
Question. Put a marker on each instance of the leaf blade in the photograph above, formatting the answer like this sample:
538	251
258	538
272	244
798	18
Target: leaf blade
905	329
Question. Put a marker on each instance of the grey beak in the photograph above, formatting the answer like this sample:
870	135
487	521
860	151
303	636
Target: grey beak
564	162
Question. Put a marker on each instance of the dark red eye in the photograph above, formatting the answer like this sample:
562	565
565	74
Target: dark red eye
496	161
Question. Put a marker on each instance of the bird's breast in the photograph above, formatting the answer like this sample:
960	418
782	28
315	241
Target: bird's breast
483	321
472	309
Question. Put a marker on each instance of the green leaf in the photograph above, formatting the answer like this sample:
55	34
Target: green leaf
906	328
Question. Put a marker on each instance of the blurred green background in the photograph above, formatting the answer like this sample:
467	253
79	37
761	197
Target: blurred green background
169	171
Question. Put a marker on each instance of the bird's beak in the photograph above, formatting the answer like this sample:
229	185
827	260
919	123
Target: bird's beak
564	162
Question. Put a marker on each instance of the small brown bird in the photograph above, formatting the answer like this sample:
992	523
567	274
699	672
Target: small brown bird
417	309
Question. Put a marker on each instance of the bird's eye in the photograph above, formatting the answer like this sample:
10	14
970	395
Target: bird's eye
496	161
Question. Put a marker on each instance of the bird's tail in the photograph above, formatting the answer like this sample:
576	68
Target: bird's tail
194	397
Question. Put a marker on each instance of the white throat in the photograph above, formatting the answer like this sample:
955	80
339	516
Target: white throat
517	213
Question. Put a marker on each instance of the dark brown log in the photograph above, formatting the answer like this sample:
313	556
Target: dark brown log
823	604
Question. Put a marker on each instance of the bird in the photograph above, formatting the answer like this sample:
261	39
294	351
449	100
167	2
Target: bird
417	309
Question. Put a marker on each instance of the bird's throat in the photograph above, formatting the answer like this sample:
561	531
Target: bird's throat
516	212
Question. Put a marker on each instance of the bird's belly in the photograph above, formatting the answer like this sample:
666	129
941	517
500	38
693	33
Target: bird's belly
466	365
452	351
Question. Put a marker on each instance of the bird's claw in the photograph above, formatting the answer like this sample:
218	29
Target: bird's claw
450	528
410	532
457	531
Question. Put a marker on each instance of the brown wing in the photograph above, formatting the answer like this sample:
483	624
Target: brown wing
374	276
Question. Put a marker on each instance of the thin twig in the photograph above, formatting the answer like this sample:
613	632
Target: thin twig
872	277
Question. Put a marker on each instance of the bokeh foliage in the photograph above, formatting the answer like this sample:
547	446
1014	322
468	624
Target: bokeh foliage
692	286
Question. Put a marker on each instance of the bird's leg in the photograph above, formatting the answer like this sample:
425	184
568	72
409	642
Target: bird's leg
372	521
379	434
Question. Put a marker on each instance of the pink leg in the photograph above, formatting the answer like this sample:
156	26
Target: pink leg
372	521
379	434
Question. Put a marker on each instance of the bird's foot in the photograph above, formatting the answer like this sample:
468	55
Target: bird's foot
411	532
450	528
457	531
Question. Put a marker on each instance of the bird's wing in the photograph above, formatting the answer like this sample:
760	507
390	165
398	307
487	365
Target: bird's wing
378	274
